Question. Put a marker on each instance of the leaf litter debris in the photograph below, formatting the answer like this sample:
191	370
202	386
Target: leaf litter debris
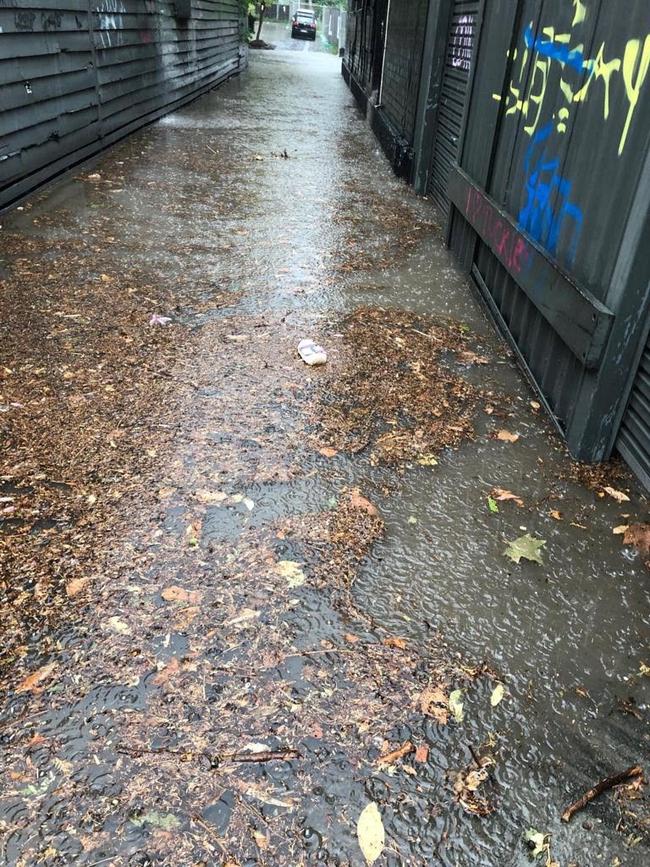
393	392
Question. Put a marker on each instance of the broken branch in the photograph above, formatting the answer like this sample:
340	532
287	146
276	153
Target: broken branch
599	788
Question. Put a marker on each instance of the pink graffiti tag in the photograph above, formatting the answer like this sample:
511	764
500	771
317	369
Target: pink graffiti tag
506	241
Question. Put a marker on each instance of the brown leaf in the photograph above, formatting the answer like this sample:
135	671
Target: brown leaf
394	756
178	594
434	702
261	839
619	496
185	617
506	437
350	638
502	495
75	586
639	536
357	501
327	452
422	753
400	643
555	514
31	682
468	357
163	676
620	530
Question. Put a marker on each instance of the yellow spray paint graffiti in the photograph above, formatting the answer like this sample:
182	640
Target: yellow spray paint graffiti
630	71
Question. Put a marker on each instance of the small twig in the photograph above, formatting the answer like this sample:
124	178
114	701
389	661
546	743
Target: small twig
268	756
213	834
475	757
599	788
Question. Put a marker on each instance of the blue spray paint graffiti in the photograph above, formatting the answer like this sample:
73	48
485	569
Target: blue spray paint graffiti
556	50
548	206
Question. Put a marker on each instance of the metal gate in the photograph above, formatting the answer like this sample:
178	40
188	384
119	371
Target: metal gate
455	79
634	436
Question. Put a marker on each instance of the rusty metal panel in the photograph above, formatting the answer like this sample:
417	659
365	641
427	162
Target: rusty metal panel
77	74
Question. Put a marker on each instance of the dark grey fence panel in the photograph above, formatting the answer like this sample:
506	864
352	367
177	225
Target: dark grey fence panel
77	74
555	148
401	68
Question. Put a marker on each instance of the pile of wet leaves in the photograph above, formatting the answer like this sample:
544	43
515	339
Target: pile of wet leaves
396	390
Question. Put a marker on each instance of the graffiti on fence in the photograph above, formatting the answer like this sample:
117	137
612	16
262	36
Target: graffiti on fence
548	210
508	244
623	76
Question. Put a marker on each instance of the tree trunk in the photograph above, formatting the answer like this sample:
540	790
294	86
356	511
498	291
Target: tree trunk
259	26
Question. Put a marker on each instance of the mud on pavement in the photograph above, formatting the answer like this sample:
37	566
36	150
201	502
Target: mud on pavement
242	599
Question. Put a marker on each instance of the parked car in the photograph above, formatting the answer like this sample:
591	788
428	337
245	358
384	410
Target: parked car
303	25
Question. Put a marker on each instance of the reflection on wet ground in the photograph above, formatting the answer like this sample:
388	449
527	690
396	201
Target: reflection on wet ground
202	574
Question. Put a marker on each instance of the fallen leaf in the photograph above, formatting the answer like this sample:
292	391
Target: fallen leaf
422	754
427	461
400	643
75	586
166	821
492	505
620	530
502	495
536	405
261	839
174	593
468	357
370	833
208	498
163	676
639	536
250	505
456	704
537	842
328	452
193	533
116	624
351	639
619	496
31	682
434	702
396	755
357	501
184	617
555	514
246	614
497	694
507	437
527	547
292	571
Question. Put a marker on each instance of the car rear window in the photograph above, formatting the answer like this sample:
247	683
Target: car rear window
305	17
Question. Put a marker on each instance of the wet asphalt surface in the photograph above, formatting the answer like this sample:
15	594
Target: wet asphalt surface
169	472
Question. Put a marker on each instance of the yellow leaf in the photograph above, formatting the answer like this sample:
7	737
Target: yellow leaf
370	833
507	437
619	496
497	694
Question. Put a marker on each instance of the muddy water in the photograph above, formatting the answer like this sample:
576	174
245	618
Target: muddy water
204	200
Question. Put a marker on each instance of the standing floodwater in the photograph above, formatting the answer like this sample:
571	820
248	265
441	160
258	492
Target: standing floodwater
243	598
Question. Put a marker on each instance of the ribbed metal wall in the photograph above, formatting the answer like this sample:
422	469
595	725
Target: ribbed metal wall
76	75
402	58
550	206
634	437
453	90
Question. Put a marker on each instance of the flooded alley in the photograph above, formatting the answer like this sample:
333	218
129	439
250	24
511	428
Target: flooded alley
242	599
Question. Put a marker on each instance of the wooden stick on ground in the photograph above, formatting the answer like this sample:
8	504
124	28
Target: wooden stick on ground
599	788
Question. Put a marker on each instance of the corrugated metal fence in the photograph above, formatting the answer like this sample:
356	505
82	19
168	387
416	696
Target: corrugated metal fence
77	75
532	133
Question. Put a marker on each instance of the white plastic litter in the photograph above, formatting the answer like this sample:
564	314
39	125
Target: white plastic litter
311	353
